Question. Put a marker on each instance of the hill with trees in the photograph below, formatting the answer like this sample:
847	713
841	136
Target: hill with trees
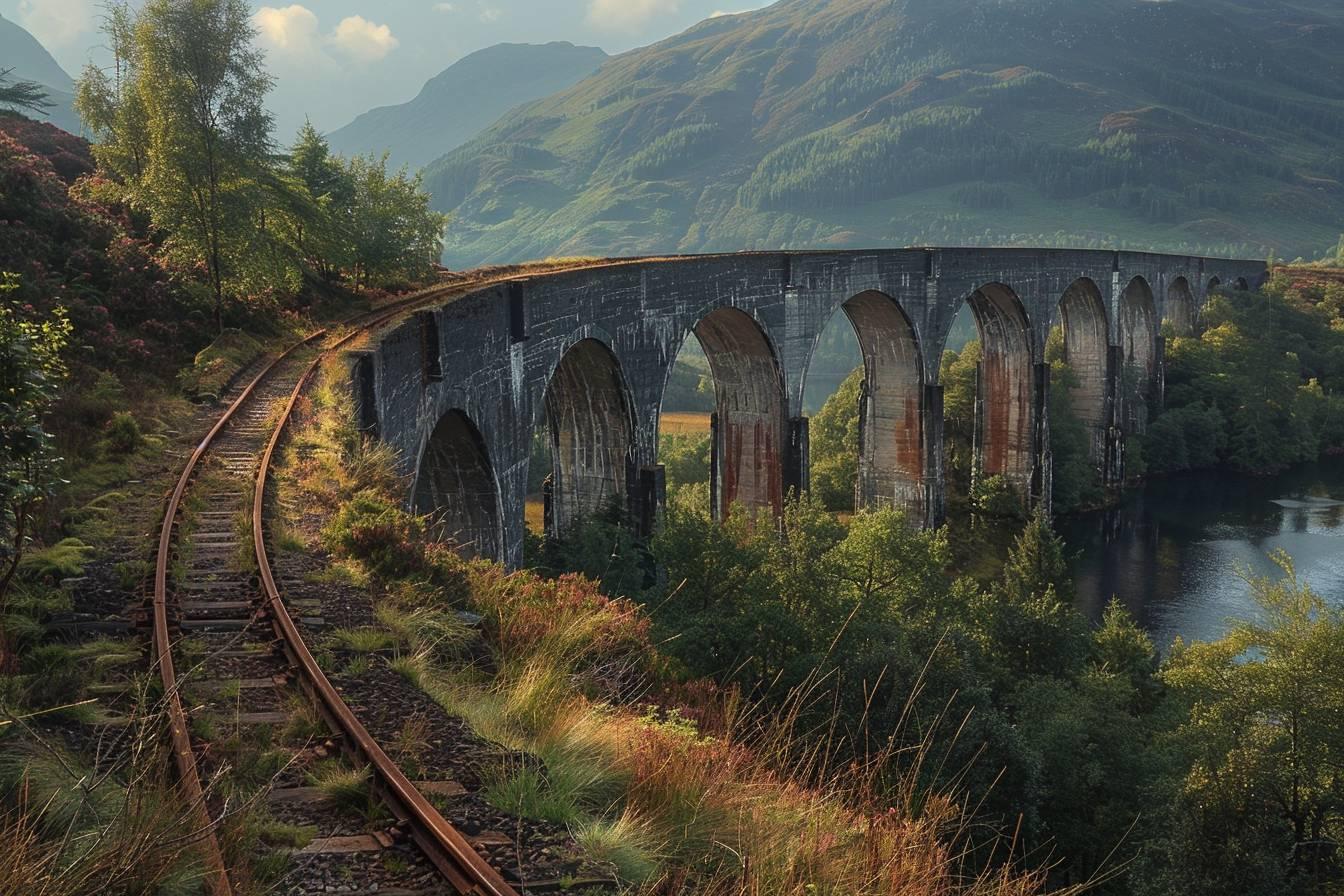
466	98
1207	125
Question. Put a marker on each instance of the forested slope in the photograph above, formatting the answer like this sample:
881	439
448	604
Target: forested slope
1199	124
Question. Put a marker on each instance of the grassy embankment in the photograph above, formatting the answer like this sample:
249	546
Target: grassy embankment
89	802
700	791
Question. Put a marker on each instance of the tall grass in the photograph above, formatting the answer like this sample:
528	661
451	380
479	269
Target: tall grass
116	826
718	799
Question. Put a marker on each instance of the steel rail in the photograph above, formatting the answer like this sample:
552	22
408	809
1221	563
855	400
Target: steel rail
442	843
445	846
189	780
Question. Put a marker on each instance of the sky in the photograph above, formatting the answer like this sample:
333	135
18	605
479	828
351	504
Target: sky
333	59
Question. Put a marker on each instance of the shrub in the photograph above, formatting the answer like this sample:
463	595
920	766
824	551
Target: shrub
996	496
448	573
1185	438
567	620
370	528
218	364
123	433
94	403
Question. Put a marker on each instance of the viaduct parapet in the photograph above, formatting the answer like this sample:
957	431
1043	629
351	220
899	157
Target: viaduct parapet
459	391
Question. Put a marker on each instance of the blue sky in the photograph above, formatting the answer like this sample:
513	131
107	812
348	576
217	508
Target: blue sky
335	58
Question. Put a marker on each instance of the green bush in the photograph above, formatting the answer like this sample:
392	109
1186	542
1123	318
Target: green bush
123	433
1077	480
996	496
835	445
371	529
218	363
94	403
685	457
1188	438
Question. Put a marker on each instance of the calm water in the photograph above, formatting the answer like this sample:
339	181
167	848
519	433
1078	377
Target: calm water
1171	552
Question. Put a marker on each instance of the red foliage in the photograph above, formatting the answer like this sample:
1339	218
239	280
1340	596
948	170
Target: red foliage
127	309
527	609
69	156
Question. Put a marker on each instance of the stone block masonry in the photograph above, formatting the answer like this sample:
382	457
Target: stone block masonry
459	390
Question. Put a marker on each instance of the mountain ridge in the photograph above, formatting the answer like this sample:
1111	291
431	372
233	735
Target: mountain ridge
31	61
464	99
1184	126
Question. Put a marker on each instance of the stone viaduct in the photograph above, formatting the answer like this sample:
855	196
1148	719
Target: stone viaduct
459	390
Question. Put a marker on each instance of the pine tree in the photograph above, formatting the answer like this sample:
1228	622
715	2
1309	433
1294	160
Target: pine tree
322	232
1033	625
1037	563
22	96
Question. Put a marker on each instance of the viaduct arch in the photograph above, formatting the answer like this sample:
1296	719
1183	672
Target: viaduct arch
456	390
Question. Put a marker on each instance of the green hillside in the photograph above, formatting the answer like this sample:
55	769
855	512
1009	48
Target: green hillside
464	99
1213	125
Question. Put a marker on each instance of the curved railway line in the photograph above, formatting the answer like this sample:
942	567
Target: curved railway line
248	635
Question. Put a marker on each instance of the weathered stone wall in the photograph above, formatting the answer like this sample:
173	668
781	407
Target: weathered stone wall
760	317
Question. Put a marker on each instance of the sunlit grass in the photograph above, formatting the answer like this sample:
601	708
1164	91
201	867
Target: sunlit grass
749	807
684	423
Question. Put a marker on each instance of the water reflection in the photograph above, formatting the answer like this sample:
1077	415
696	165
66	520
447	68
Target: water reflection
1171	552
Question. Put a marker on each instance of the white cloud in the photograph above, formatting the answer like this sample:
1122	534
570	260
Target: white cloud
292	29
294	36
56	23
627	15
363	39
443	7
491	14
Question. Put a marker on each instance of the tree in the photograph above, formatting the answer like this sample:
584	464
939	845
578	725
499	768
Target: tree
1031	621
31	371
22	96
958	376
834	436
396	235
1076	480
1265	734
322	235
110	104
184	123
685	457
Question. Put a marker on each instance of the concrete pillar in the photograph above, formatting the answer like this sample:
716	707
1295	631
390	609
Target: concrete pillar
1159	398
548	507
717	511
863	483
649	500
1042	468
797	458
1113	470
935	480
977	428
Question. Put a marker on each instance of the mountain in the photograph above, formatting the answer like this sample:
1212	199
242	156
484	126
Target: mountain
30	61
465	98
1186	124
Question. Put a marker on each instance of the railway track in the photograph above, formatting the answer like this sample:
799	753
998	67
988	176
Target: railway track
225	643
